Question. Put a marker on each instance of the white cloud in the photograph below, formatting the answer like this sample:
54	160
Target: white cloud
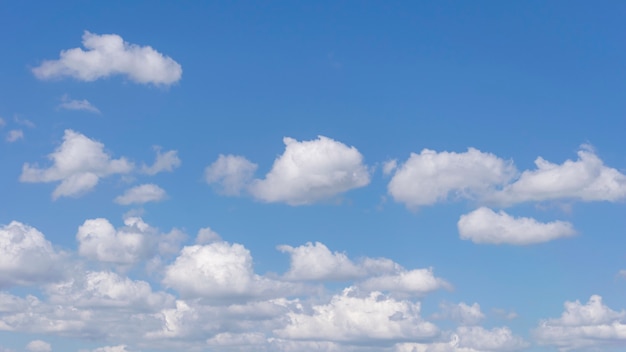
586	179
407	282
78	163
310	171
14	135
118	348
317	262
141	194
231	173
461	313
167	161
108	290
431	177
496	339
98	240
79	105
109	55
26	257
349	318
390	166
38	346
206	235
591	325
483	225
220	270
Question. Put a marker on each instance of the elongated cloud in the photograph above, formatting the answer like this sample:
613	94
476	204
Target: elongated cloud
78	164
586	179
483	225
109	55
431	177
141	194
311	171
591	325
77	105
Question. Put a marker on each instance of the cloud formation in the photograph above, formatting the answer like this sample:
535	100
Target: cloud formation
431	177
78	163
141	194
109	55
14	136
586	179
26	257
483	225
310	171
167	161
590	325
231	173
77	105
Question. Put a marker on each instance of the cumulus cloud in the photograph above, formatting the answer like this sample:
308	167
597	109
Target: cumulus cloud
220	270
350	318
26	257
311	171
14	136
431	177
99	240
483	225
206	235
107	290
109	55
586	179
38	346
167	161
590	325
118	348
314	261
231	173
407	282
78	163
141	194
77	105
470	339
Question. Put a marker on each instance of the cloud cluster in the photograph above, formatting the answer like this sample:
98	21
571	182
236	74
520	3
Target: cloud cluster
109	55
78	163
141	194
306	172
584	326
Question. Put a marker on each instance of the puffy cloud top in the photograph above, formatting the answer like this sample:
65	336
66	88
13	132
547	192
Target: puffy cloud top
109	55
79	163
311	171
431	177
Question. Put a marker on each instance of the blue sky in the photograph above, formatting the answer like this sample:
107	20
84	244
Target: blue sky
312	176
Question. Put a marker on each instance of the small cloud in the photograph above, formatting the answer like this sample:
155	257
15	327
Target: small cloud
167	161
622	274
14	136
2	122
389	166
206	235
38	346
71	104
141	194
109	55
24	122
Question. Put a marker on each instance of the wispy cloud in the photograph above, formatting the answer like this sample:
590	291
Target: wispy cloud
14	136
72	104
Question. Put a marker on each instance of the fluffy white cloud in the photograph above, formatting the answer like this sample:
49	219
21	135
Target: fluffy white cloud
108	290
220	270
78	163
407	282
431	177
14	136
98	240
311	171
38	346
586	179
231	173
470	339
483	225
118	348
167	161
206	235
79	105
141	194
26	257
349	318
317	262
109	55
590	325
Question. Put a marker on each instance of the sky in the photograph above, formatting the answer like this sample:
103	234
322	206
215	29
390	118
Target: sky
312	176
